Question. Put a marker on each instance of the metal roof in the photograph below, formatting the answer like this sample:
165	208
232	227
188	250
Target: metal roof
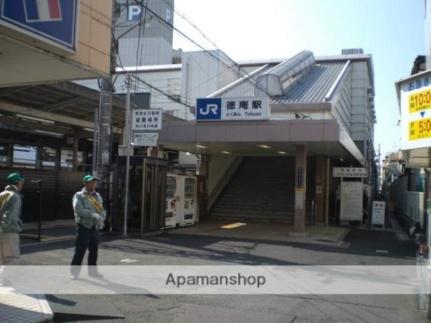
310	88
65	98
57	108
313	87
246	85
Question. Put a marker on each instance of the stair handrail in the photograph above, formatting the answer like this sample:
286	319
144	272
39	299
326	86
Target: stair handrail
223	182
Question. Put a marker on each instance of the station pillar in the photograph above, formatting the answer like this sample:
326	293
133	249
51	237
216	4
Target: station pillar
300	187
202	191
320	189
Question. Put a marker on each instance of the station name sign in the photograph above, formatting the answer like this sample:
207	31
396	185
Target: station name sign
231	109
50	21
349	172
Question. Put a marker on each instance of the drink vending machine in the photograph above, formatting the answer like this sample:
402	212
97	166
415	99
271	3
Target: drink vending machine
187	200
172	193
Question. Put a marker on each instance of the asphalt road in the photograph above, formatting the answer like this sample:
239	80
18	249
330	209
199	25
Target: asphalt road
358	248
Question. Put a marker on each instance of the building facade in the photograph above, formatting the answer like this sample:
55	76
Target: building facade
145	35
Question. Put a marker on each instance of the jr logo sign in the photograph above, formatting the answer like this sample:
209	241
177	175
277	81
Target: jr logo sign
208	109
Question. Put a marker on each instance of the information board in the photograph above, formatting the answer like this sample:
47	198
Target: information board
147	119
351	201
378	213
145	139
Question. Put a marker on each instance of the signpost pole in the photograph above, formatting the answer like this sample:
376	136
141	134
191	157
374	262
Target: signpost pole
128	144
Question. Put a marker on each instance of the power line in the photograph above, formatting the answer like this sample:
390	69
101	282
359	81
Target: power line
247	78
172	98
201	32
139	49
164	93
193	25
155	88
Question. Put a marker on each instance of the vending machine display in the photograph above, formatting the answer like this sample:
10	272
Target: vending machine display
188	201
171	201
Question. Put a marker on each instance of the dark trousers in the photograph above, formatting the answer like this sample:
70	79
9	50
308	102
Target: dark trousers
85	239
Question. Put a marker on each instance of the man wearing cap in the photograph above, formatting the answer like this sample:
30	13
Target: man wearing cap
90	217
10	220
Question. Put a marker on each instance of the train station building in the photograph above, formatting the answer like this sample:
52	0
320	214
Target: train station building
268	142
266	134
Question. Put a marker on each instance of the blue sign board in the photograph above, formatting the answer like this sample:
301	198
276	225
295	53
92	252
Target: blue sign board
209	109
233	109
52	21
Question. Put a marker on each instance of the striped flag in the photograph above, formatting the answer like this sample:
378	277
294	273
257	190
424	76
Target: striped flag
42	10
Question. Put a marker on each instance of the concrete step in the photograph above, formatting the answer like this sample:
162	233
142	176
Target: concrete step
261	187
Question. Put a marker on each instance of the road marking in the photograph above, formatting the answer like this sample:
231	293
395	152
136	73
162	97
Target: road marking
382	251
233	225
128	261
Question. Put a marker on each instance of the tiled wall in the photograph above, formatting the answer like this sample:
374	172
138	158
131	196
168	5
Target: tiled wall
94	34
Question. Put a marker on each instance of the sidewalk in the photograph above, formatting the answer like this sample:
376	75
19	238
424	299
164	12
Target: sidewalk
316	234
23	308
15	307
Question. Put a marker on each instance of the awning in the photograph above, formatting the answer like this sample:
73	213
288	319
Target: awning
275	137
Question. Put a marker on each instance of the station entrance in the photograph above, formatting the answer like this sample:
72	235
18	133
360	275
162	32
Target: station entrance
263	188
261	171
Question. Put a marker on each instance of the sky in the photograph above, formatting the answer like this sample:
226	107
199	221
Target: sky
392	31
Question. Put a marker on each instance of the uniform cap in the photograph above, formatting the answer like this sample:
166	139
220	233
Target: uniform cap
89	178
15	178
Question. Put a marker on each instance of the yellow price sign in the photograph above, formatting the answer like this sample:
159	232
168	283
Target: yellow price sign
420	101
420	129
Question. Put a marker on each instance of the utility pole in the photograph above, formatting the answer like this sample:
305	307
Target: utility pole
102	150
128	137
105	116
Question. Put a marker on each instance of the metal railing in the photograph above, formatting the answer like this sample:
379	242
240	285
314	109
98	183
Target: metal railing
223	182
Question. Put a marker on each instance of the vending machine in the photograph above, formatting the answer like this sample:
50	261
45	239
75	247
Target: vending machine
171	201
188	200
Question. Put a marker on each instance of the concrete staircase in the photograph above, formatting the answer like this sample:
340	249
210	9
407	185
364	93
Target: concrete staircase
261	189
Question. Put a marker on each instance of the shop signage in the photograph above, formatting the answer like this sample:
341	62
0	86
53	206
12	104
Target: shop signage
415	102
50	21
231	109
349	172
